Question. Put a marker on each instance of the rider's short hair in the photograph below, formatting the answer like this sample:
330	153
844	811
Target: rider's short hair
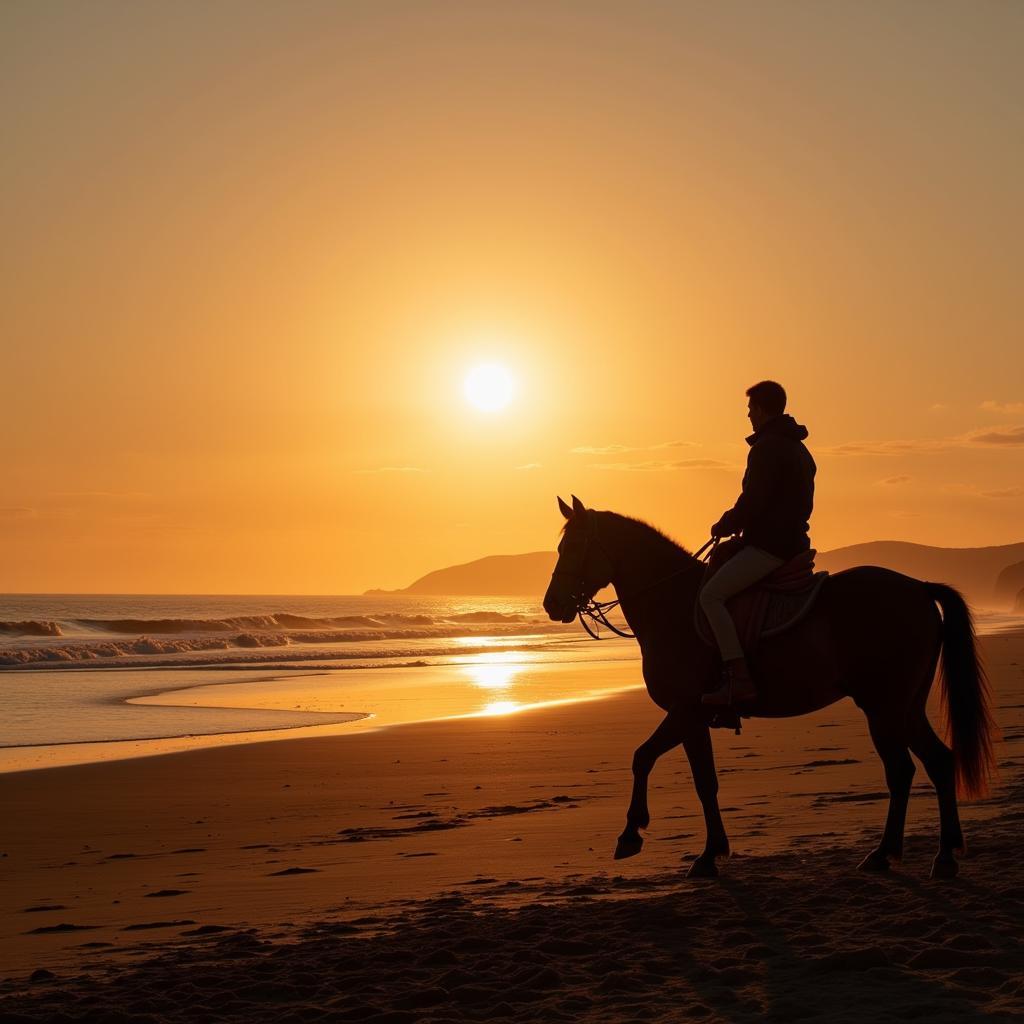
769	396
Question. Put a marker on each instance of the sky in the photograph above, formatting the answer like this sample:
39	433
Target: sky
252	250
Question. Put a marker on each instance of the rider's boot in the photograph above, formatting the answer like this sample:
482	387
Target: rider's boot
737	685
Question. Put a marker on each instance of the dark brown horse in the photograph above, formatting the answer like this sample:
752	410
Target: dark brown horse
873	635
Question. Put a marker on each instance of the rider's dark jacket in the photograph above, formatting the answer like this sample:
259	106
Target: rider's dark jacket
778	490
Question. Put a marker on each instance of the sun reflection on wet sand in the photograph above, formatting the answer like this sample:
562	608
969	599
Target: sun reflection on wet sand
498	641
491	671
460	687
500	707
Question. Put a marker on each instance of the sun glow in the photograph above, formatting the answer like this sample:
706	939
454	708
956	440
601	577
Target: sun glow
500	707
489	387
492	676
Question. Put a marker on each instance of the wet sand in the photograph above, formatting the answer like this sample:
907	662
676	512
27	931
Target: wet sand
462	871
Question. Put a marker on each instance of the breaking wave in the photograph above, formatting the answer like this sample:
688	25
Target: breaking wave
30	627
225	641
282	620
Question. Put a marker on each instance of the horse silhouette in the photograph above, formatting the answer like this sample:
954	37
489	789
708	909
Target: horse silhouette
873	635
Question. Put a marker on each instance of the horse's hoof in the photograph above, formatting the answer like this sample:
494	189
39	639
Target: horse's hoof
703	867
628	847
875	862
944	867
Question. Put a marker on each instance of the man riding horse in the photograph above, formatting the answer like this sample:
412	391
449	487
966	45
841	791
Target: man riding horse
771	516
875	636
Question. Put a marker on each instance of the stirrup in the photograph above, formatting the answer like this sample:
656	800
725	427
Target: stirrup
725	718
723	697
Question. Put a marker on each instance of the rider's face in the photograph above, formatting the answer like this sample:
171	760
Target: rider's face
756	415
752	411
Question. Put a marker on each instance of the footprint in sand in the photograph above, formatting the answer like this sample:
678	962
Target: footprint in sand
148	925
52	929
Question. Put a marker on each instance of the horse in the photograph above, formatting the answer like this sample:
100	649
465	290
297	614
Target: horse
873	634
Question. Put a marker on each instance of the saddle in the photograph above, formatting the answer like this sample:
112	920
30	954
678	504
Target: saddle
772	605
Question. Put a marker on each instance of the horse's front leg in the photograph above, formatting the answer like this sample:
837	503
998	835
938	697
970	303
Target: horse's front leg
696	741
662	740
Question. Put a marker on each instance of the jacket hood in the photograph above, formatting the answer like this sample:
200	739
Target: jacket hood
782	426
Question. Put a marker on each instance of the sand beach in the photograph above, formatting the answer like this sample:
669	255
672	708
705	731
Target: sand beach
462	870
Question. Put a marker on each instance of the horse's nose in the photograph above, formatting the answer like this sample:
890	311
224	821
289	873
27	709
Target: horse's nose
550	606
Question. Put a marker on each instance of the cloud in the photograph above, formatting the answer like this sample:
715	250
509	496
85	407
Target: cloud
892	480
391	469
974	491
608	449
105	495
887	447
660	467
1004	492
529	465
16	512
1003	408
1000	437
619	449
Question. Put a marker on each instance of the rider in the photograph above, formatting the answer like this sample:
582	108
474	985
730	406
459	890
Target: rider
772	515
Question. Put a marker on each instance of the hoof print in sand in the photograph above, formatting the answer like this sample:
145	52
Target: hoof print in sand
54	929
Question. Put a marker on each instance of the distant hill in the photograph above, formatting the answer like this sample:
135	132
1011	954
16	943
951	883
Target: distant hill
975	571
1010	584
495	575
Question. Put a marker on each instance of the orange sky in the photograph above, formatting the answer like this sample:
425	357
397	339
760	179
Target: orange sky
252	250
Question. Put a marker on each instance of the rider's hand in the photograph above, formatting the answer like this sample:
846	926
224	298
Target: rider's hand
726	526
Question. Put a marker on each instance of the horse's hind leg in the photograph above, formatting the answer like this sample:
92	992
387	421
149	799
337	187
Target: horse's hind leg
938	762
891	745
701	755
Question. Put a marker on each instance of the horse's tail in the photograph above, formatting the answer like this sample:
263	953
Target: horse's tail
969	724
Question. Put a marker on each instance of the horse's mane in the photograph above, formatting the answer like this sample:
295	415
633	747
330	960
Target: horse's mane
643	525
660	534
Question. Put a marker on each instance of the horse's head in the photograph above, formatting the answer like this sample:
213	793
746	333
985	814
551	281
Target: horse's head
583	567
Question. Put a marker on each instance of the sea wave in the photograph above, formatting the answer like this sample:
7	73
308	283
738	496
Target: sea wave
302	644
281	620
30	627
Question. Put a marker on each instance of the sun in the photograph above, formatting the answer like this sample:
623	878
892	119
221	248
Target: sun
489	387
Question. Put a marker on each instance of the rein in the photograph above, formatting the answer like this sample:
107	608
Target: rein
597	611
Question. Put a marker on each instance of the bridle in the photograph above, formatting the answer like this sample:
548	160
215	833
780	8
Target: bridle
597	611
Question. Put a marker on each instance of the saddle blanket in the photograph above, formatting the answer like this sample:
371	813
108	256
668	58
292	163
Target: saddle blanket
772	605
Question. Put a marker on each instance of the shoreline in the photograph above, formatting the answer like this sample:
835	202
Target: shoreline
18	757
351	701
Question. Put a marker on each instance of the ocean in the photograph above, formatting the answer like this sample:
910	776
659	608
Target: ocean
90	677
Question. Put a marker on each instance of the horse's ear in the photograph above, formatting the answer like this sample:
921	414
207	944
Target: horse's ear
564	509
577	505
